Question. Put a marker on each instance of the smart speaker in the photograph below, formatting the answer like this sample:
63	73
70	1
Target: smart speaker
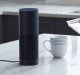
28	36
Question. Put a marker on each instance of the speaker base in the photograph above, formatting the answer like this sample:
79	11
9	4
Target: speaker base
28	62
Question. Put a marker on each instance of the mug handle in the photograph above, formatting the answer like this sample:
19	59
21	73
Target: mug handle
45	45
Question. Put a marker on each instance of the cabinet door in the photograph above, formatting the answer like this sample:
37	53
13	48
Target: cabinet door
46	25
61	27
1	30
10	28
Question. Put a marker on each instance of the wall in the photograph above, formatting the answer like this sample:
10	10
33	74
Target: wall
63	2
22	1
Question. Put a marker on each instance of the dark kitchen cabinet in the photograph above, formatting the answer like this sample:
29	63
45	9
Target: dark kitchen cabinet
9	27
46	25
61	27
1	30
54	25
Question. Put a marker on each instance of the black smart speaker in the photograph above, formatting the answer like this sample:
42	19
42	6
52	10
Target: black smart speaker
28	36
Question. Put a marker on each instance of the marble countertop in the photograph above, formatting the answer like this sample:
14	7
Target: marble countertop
44	9
68	65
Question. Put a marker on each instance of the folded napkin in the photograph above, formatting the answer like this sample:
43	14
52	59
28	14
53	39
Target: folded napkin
74	24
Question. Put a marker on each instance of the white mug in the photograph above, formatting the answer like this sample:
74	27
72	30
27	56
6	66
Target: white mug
58	46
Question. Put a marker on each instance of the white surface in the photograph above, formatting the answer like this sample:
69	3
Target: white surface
44	9
75	24
48	65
